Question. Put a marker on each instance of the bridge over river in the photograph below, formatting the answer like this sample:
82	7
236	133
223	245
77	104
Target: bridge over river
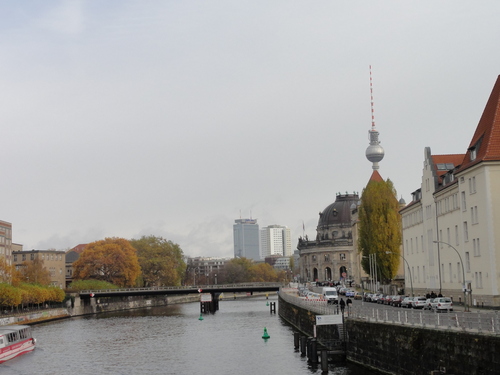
177	290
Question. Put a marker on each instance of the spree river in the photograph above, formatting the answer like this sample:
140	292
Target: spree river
170	340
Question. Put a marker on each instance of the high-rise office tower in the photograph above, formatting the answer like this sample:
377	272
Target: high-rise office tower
275	240
246	239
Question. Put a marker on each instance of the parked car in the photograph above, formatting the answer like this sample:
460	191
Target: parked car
418	302
428	304
396	301
358	295
349	293
388	300
406	302
442	304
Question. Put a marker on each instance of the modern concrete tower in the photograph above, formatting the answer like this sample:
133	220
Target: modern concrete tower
275	240
246	239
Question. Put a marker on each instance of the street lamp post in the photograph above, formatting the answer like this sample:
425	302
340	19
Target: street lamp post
463	271
409	270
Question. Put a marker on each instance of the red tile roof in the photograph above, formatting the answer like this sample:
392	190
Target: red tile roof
487	132
376	177
455	159
78	248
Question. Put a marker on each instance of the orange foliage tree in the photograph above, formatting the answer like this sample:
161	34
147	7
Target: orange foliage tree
113	260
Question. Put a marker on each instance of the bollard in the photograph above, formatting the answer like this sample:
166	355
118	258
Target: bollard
314	351
308	348
324	361
296	340
273	307
303	345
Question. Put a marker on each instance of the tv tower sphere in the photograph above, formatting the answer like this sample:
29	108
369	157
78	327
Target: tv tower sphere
374	152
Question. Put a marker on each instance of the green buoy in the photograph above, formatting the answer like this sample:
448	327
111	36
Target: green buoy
265	335
201	317
267	303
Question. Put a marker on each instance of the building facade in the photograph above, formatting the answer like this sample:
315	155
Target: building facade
205	270
333	255
275	240
53	261
450	229
246	239
6	241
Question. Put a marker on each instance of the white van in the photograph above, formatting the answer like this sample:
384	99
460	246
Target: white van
330	294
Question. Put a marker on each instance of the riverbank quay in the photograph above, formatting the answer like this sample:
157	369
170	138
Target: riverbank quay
75	307
405	342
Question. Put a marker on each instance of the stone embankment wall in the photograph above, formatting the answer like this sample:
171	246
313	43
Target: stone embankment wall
96	306
407	350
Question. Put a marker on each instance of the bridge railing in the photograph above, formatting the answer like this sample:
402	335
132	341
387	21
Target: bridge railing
185	287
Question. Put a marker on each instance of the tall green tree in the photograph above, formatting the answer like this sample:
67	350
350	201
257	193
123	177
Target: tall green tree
380	228
161	261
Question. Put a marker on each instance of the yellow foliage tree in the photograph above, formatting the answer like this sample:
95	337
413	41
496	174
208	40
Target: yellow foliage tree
34	272
263	272
113	260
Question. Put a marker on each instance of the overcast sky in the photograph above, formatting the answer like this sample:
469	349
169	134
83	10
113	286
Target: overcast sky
172	118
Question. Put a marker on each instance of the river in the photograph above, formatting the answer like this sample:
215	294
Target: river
169	340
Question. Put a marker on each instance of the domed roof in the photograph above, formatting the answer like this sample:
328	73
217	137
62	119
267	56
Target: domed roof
339	212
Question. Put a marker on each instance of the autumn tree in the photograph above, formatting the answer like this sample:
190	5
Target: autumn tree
113	260
161	261
237	270
263	272
34	272
7	271
380	228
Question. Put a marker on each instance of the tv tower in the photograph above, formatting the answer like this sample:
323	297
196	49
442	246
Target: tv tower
374	152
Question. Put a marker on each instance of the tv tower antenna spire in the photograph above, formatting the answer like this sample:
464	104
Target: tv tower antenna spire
374	152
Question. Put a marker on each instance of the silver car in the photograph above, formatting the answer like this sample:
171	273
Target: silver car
442	303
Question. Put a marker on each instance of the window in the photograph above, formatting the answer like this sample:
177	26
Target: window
24	257
467	262
466	232
342	256
422	242
473	154
448	235
32	257
475	246
451	273
15	258
464	202
442	273
459	271
456	235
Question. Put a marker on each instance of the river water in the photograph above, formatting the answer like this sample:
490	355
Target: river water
170	340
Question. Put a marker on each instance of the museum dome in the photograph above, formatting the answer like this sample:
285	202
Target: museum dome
339	212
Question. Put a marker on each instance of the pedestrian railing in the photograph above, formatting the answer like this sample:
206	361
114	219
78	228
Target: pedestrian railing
482	322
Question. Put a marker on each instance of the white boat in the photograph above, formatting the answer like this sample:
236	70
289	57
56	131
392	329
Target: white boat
14	341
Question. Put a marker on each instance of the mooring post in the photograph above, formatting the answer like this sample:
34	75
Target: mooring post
324	361
303	345
272	307
296	340
314	351
308	347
